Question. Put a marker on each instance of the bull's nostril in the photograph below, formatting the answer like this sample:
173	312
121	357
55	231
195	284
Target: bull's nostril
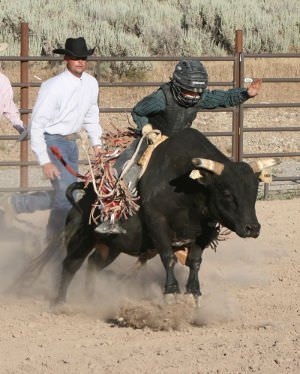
252	228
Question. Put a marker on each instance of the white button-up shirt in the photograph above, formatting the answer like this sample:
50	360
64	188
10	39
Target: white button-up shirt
64	105
7	106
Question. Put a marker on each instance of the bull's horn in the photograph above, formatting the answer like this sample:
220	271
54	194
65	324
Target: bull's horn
214	166
259	165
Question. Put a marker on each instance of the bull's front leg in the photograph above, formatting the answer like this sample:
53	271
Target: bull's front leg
169	260
193	261
161	236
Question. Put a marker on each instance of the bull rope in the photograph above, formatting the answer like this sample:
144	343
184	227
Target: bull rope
114	199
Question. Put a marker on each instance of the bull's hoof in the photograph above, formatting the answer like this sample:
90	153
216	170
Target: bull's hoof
197	301
61	308
195	291
58	306
193	300
172	290
57	301
170	299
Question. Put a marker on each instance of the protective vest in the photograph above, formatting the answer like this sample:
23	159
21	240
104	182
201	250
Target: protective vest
175	117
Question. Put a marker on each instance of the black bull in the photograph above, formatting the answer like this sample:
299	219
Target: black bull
174	206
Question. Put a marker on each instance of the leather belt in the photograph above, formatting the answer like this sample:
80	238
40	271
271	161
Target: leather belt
73	136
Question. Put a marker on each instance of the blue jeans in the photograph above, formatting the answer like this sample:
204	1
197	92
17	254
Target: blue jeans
69	151
126	155
56	199
30	202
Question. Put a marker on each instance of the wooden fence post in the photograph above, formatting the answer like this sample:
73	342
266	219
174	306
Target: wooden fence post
238	83
24	101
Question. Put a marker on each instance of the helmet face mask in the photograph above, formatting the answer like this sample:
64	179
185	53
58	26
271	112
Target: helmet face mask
189	76
183	97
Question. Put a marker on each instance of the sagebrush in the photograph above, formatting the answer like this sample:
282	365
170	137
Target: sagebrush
153	27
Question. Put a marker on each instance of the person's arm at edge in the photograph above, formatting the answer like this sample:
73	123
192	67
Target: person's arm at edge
8	107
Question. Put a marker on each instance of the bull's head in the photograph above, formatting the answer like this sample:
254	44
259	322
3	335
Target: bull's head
233	191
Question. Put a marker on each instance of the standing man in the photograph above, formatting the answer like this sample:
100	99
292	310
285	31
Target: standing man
8	108
65	104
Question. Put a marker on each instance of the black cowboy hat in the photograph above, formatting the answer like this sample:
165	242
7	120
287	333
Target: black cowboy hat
75	47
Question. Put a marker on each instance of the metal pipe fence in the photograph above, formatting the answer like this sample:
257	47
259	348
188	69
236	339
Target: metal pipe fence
236	134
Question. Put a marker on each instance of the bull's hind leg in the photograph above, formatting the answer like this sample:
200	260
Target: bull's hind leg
78	249
98	260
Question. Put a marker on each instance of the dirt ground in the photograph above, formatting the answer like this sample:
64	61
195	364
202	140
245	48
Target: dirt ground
248	320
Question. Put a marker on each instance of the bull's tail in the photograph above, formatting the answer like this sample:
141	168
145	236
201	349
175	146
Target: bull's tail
30	274
74	186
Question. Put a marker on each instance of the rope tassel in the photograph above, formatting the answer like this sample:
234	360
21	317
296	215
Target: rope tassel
114	199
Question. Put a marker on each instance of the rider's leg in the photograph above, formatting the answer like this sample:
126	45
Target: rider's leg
130	176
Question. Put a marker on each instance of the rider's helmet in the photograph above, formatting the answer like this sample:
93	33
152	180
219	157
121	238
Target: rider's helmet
188	82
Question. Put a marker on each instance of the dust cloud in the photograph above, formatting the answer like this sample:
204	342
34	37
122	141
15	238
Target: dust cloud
127	298
124	296
18	243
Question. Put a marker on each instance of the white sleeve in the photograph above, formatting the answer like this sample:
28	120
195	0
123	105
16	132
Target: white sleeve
91	119
42	115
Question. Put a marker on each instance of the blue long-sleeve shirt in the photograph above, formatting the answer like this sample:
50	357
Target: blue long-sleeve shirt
156	102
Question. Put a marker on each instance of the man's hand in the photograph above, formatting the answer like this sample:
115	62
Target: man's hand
147	129
50	171
254	87
24	136
23	133
19	128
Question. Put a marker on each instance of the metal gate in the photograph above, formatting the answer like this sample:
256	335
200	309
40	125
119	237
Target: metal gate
237	132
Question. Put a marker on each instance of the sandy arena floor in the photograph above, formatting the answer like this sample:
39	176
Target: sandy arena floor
248	321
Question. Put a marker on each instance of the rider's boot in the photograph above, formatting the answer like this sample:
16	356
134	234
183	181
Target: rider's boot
109	228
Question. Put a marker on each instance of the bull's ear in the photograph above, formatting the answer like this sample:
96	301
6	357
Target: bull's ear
202	177
265	176
263	168
195	174
210	165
